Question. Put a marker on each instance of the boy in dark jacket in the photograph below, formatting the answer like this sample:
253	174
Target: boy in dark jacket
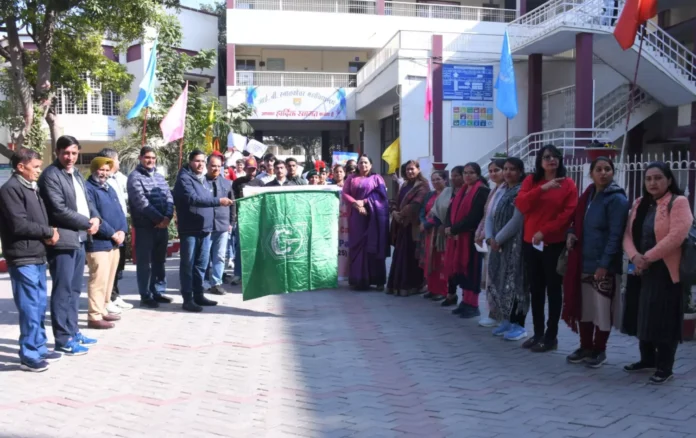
62	189
24	231
102	250
152	207
195	209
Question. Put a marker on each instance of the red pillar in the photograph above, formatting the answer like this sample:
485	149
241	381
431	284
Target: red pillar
534	103
523	6
584	90
230	4
436	54
379	6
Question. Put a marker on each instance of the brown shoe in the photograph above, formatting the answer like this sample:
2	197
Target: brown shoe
111	317
100	325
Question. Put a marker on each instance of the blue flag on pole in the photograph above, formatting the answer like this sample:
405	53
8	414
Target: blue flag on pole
506	98
146	94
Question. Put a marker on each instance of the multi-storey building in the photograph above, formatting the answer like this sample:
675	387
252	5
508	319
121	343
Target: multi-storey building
353	73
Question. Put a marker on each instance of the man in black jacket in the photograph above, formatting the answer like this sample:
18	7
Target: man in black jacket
195	215
62	189
24	231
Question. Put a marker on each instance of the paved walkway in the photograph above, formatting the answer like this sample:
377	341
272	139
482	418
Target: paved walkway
329	364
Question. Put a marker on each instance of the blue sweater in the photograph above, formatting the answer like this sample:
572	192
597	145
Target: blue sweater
603	228
195	206
105	200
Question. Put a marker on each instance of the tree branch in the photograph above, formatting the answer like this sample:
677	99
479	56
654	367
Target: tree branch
5	151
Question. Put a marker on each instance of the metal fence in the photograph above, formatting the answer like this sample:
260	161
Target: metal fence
296	79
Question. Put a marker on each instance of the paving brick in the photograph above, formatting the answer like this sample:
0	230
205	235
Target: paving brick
329	364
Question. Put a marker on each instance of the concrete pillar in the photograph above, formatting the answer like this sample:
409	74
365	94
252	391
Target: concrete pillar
534	101
326	146
231	66
436	62
584	95
521	6
230	4
379	6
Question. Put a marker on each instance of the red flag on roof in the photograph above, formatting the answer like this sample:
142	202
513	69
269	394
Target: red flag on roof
635	13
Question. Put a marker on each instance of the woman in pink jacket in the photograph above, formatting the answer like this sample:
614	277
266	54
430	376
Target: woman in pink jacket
657	227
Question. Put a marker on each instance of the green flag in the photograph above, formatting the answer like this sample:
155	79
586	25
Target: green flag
289	241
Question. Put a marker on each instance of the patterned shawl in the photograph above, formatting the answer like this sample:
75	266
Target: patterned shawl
508	280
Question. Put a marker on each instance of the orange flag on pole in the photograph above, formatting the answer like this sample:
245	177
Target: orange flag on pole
635	13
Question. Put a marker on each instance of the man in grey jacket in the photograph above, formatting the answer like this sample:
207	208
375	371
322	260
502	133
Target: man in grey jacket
152	208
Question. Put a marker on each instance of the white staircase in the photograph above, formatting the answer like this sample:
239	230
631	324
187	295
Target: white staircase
611	110
667	68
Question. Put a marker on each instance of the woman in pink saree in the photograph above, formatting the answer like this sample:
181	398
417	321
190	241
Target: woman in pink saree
368	225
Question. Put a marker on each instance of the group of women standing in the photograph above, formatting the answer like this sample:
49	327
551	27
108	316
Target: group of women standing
543	243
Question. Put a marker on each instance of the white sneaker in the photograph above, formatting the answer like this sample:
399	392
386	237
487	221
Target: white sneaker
122	304
487	322
113	308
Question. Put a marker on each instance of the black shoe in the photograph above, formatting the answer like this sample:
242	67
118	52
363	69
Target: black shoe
449	301
150	303
597	360
639	366
437	298
543	346
660	377
389	292
461	308
579	355
203	301
428	295
162	299
470	312
217	290
190	306
531	342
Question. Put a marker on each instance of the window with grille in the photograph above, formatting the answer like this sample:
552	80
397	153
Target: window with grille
97	101
110	103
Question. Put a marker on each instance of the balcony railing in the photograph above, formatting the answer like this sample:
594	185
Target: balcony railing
401	9
295	79
451	12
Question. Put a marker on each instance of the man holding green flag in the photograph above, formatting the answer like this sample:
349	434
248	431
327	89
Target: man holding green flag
289	240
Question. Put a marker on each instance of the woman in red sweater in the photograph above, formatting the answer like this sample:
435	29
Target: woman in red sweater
547	200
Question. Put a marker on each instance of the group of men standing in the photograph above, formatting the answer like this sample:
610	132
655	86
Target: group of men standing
56	217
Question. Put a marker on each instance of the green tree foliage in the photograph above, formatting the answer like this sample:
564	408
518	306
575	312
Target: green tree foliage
67	35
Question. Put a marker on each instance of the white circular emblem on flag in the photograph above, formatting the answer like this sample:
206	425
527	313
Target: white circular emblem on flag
287	241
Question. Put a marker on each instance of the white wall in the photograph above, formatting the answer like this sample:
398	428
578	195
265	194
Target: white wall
372	142
334	61
317	29
200	31
559	74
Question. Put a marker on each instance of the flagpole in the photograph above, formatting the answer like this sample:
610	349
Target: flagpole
181	151
631	88
144	126
507	137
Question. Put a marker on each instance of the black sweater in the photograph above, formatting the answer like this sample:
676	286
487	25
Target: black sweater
23	224
472	220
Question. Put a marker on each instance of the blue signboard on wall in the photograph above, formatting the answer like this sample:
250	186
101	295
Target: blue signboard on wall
467	82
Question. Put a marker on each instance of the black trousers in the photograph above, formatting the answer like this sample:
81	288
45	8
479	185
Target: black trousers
119	272
517	318
544	281
67	267
659	353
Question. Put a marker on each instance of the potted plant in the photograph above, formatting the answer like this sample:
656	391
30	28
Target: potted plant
173	245
597	149
3	265
499	156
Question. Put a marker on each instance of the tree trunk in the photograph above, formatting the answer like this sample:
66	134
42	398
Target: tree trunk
52	128
15	51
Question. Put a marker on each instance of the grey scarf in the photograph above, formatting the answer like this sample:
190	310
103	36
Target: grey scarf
28	184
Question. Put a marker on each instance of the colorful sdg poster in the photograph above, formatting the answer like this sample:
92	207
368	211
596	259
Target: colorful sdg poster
472	114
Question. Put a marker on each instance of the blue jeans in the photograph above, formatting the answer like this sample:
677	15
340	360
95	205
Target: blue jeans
67	267
30	297
151	255
195	254
218	251
237	254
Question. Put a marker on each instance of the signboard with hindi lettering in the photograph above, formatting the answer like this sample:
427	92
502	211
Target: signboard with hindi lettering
288	103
